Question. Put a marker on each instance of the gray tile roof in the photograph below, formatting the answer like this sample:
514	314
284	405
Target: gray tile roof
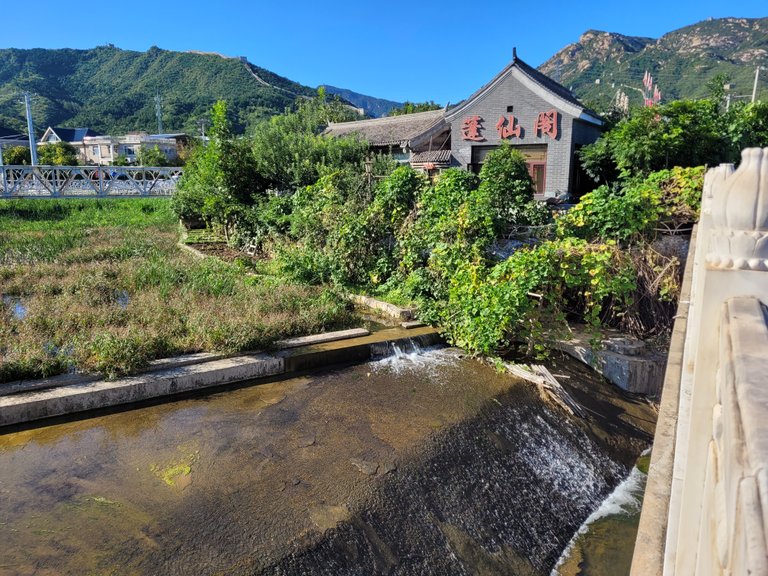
10	134
436	156
391	130
542	80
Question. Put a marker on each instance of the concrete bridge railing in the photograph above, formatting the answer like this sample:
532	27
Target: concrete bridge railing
87	181
706	505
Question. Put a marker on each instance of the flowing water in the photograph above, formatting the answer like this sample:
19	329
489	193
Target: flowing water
425	463
602	546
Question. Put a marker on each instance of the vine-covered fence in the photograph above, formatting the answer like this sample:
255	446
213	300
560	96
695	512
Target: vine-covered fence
87	181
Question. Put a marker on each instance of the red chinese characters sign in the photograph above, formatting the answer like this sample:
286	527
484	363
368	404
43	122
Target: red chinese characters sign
507	129
546	124
470	128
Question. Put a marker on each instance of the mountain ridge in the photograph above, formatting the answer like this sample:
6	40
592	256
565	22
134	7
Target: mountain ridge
113	90
682	61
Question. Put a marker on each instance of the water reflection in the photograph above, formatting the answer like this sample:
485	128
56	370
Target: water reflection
17	306
436	458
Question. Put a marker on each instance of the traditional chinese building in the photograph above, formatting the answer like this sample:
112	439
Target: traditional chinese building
422	139
522	106
536	115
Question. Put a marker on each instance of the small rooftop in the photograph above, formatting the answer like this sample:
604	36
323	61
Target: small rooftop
72	134
391	130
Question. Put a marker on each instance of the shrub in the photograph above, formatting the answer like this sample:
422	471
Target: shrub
534	289
626	213
506	181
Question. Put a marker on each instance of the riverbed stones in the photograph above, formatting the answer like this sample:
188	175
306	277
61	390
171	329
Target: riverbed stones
365	466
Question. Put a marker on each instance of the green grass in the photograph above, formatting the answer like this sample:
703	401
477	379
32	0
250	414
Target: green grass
107	290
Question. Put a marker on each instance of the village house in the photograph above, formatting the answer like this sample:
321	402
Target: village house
95	148
522	106
421	139
73	136
104	150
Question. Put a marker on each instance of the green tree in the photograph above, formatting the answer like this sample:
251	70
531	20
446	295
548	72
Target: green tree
151	156
506	181
747	126
681	133
121	160
413	107
291	153
17	156
220	178
57	154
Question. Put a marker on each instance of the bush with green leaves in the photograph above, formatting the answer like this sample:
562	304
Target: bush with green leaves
533	292
290	152
682	133
352	239
220	177
151	156
57	154
17	156
629	211
505	180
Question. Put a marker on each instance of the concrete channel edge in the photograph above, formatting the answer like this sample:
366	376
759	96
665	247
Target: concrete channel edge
86	395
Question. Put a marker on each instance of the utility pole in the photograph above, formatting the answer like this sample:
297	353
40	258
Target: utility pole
202	122
754	86
30	128
159	112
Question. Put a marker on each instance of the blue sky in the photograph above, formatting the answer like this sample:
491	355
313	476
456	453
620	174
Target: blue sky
418	50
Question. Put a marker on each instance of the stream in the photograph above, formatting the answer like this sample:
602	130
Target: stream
418	463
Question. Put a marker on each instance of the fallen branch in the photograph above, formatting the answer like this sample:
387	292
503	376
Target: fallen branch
547	383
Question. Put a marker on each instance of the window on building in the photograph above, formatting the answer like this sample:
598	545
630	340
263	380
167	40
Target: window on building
129	151
95	150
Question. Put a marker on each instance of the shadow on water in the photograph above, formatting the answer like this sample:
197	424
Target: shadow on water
431	464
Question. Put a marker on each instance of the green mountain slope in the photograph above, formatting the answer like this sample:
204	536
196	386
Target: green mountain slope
113	90
681	62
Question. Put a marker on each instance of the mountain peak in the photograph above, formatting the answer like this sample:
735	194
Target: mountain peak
681	61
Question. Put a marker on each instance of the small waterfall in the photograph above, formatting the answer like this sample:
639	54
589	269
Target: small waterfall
499	494
407	356
420	462
625	501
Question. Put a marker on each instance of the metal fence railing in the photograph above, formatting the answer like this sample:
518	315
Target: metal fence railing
87	181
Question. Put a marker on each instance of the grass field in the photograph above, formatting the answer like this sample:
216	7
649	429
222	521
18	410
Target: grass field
101	286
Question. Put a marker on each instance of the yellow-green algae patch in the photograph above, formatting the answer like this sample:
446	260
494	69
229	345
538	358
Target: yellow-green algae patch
177	473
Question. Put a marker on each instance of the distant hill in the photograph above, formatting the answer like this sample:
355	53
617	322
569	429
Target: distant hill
681	62
113	90
374	107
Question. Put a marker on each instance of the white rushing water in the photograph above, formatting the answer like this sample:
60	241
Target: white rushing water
625	500
413	358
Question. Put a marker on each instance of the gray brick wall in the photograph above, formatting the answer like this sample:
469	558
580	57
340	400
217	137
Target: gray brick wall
526	107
